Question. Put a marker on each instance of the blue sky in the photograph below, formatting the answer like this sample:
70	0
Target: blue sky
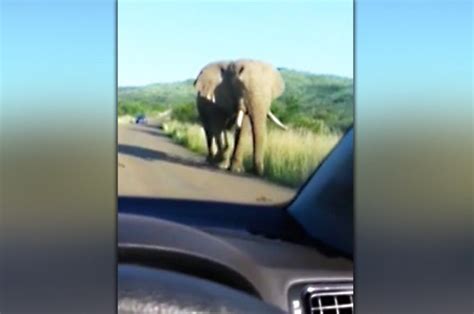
164	41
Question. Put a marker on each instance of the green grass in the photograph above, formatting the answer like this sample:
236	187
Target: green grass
290	157
189	135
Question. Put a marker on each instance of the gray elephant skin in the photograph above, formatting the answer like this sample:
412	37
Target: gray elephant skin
237	94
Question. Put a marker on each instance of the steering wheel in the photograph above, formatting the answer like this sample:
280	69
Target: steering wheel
149	290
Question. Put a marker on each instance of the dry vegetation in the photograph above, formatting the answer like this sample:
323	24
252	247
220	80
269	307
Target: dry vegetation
291	156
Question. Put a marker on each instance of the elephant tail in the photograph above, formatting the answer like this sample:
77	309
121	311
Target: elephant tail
276	121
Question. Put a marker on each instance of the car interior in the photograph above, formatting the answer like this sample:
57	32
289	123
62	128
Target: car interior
180	255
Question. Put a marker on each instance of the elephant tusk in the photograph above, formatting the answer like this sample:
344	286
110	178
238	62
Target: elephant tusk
211	97
276	121
240	118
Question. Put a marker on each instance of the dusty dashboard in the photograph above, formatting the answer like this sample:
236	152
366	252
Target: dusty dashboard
294	277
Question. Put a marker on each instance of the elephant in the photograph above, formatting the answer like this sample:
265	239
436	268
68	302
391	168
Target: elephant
237	94
216	106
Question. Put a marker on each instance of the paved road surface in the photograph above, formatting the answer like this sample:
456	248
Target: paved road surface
150	165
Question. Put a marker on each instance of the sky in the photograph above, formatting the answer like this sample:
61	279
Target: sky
164	41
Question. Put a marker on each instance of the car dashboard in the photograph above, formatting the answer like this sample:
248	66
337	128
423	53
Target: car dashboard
294	277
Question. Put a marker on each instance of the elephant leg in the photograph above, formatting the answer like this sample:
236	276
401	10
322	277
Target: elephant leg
225	163
237	155
227	149
226	141
222	159
210	150
259	134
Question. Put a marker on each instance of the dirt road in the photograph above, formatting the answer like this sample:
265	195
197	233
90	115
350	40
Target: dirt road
149	164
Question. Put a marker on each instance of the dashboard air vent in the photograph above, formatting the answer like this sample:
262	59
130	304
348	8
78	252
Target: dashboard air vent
324	299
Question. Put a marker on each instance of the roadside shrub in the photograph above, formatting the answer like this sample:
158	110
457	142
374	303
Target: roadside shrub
186	112
130	108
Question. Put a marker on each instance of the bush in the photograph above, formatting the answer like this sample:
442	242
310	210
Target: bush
185	113
328	113
130	108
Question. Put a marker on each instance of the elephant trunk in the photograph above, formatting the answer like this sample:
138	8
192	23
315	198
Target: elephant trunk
276	121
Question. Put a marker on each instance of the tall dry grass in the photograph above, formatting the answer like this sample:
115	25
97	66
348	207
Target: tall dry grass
189	135
290	157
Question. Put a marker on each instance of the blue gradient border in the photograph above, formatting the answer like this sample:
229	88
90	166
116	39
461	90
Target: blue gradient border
414	156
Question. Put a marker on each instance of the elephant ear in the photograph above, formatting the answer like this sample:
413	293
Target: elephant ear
196	83
208	79
196	80
278	86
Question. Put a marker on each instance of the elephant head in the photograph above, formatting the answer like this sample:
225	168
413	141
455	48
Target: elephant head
240	93
257	84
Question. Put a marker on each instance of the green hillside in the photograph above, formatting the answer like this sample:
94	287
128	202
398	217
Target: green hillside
316	102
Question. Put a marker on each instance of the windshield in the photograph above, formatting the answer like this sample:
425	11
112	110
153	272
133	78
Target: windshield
231	102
